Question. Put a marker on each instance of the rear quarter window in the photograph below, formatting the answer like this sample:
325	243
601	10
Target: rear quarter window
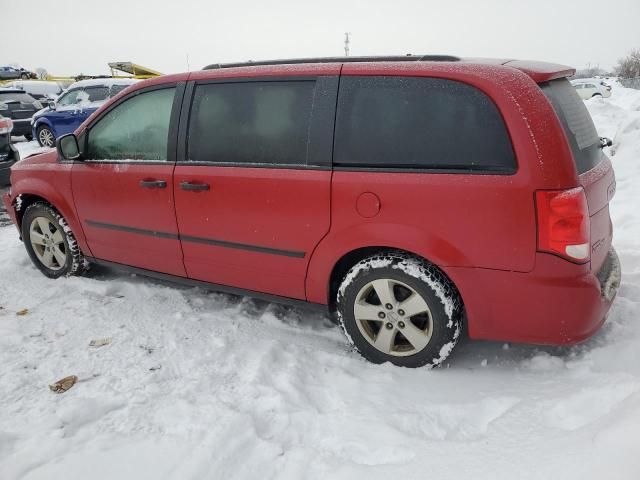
116	89
419	123
576	122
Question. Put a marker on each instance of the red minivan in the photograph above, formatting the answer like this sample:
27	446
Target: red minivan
406	195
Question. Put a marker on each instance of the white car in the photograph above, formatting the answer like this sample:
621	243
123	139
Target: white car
38	89
591	88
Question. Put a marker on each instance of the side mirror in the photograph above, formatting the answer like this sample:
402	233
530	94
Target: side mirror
52	105
67	147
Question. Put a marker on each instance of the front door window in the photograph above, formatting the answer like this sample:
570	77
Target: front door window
137	129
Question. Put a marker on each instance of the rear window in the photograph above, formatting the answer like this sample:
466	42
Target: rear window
577	123
20	97
419	123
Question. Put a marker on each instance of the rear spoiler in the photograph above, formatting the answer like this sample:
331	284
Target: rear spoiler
541	71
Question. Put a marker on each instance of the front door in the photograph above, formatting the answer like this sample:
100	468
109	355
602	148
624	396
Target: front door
253	188
64	117
123	190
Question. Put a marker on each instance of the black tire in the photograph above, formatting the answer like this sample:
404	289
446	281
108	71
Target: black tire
596	95
75	263
24	76
28	136
44	132
402	270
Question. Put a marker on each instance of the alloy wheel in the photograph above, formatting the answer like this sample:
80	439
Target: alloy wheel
46	137
47	241
393	317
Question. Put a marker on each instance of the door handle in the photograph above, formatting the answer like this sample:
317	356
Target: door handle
194	186
153	184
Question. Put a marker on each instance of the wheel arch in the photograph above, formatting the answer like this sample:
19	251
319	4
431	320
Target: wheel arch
23	201
31	190
351	258
346	246
43	121
343	265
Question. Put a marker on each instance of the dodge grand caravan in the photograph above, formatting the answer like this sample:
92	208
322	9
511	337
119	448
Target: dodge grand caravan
405	195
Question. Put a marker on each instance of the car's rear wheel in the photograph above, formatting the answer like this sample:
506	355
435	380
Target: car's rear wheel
46	138
397	308
50	242
596	95
24	76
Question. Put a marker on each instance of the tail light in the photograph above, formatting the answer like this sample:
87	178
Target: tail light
563	223
6	125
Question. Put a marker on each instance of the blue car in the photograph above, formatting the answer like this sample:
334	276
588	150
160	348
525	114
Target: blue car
73	107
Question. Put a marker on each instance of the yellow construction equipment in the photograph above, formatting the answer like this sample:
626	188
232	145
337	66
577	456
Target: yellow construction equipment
138	71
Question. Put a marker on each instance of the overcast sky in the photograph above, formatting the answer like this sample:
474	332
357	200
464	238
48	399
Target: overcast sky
68	37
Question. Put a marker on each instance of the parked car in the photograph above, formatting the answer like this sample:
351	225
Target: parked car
73	107
8	72
20	107
591	88
605	85
422	193
41	90
7	158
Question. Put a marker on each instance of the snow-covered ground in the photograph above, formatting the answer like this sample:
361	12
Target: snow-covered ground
198	385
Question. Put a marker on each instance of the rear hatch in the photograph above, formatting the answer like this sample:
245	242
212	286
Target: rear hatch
593	166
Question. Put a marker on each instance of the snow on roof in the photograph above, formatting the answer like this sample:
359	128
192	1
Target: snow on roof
33	82
107	82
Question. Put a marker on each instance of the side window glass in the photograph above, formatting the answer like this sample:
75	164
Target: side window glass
69	98
400	122
115	89
136	129
96	94
251	123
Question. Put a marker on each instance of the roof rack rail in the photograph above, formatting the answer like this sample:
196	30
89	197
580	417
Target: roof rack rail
291	61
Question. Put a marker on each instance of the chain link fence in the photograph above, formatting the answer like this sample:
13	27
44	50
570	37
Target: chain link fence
630	82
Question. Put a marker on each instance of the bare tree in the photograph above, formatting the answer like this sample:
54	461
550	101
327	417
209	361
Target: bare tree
629	66
590	72
42	73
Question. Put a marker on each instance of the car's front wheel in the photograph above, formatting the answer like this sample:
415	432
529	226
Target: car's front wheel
46	138
24	76
50	242
400	309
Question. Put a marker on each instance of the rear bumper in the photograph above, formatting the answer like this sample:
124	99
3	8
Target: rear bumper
21	127
558	303
610	275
